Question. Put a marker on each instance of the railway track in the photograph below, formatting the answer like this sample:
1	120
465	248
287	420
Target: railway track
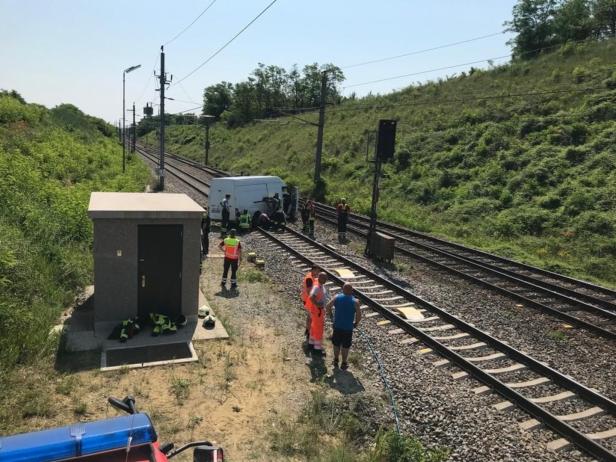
519	378
577	302
171	167
212	171
476	352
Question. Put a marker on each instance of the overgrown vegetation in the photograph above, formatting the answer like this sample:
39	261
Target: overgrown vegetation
530	177
545	23
333	429
50	161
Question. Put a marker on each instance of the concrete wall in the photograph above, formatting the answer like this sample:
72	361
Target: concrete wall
115	276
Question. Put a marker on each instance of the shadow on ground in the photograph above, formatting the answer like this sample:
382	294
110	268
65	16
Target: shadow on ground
345	382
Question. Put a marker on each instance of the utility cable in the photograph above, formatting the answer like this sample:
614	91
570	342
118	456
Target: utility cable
427	71
510	55
194	21
213	55
417	52
382	374
357	107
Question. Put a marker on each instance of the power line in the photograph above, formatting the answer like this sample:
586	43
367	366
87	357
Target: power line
427	71
452	100
226	44
411	53
529	52
194	21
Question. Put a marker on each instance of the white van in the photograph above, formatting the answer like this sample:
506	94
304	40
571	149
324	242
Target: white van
247	193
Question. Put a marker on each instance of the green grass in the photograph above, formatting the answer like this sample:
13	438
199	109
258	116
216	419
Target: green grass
527	177
50	161
180	388
332	429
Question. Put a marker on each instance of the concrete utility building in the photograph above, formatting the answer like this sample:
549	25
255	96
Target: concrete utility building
146	255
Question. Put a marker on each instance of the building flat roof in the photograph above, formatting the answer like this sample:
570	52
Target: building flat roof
142	205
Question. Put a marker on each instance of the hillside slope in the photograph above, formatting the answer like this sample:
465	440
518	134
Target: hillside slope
50	161
529	176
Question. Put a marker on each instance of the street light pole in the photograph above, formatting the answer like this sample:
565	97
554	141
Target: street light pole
126	71
123	121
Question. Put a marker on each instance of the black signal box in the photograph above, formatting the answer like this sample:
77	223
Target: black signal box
386	142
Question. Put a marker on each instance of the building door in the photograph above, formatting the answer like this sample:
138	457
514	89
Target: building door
160	269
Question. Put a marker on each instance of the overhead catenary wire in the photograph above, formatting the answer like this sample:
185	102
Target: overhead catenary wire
213	55
194	21
425	50
470	63
455	100
510	55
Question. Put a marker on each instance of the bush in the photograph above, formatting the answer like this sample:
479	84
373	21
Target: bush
595	223
520	221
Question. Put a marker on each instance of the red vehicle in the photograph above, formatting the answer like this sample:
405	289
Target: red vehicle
130	438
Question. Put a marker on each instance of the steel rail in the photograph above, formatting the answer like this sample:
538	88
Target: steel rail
525	300
210	170
524	266
608	315
180	176
560	427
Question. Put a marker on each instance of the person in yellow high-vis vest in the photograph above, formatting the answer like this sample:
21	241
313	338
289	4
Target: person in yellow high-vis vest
233	252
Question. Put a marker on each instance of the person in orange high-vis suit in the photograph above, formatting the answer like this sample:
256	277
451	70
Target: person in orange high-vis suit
319	296
309	279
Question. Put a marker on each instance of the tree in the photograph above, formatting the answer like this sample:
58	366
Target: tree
217	98
572	21
533	21
604	15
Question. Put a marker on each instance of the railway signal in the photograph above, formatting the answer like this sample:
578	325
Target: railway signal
385	147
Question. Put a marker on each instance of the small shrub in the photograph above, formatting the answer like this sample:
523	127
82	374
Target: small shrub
580	74
180	388
80	409
594	222
557	335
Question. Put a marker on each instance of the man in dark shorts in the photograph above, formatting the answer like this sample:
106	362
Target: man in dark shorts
346	318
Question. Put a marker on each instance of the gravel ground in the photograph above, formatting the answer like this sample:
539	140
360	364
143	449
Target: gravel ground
593	356
442	411
439	410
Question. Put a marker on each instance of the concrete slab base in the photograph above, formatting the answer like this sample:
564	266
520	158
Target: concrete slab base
143	349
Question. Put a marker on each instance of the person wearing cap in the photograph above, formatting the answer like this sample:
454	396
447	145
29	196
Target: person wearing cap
233	253
343	211
347	314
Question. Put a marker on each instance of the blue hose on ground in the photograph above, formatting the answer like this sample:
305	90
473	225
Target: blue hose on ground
381	371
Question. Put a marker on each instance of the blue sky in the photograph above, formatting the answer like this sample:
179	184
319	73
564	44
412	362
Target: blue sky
74	51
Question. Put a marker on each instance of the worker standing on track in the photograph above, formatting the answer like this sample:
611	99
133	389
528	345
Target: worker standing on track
304	213
309	279
347	315
312	215
319	297
233	254
206	222
226	214
343	211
